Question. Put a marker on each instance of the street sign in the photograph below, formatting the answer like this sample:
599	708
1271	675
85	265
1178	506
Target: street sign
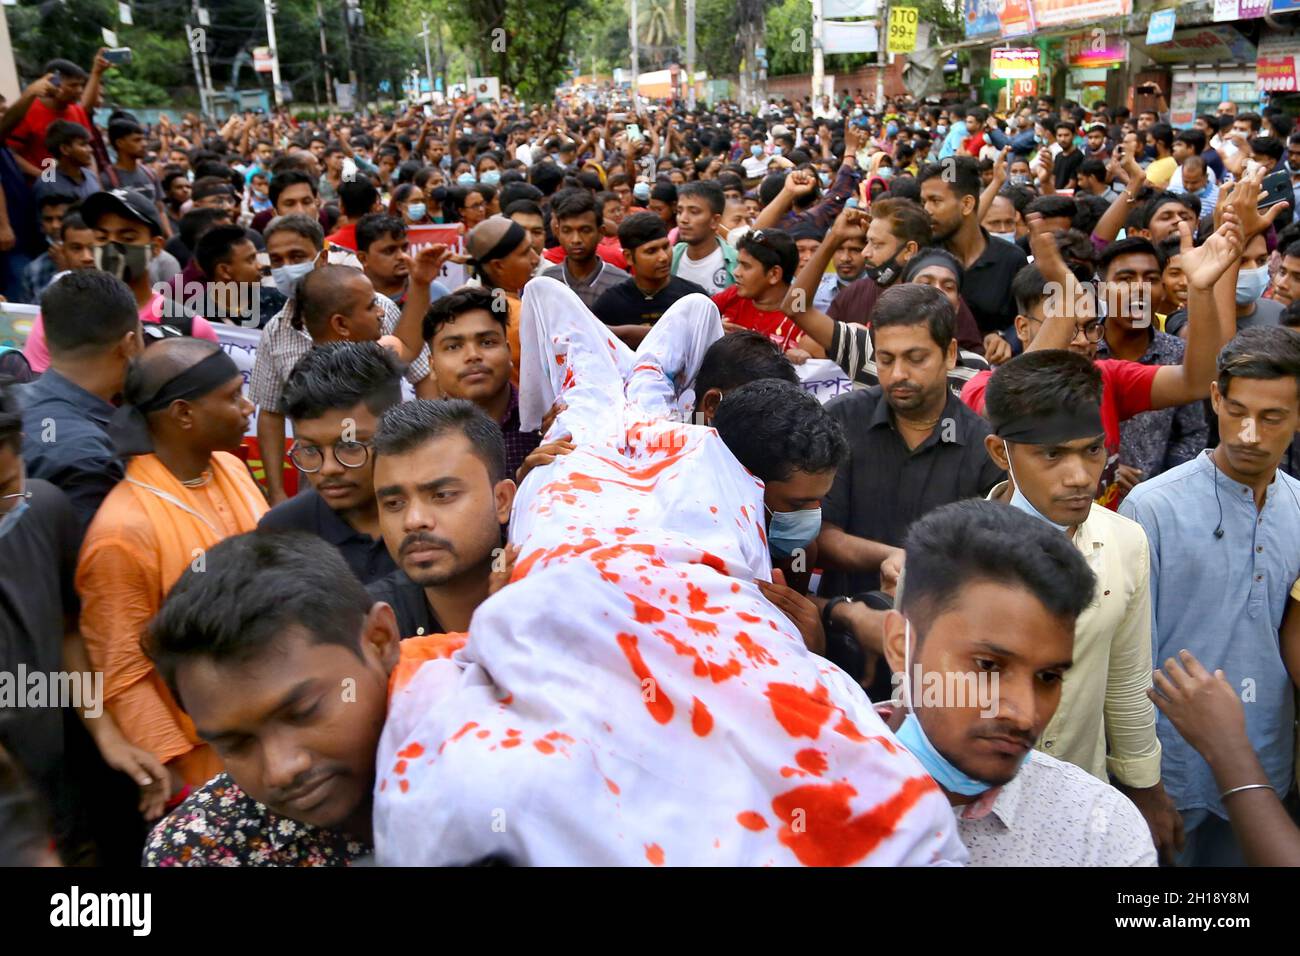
1014	64
902	29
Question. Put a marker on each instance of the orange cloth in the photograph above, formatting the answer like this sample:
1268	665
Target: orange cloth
515	308
136	547
414	651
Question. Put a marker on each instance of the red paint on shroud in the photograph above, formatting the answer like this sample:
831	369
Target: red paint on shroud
613	787
404	784
645	613
416	749
756	653
800	712
512	742
812	760
544	746
701	719
713	561
751	820
654	853
660	707
829	834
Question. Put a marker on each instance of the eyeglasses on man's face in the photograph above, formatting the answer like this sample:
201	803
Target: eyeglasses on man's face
310	458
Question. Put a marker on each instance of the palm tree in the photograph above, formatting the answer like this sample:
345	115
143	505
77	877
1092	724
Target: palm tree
657	28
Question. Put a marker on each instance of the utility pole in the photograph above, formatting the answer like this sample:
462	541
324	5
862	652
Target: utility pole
819	60
275	54
428	58
325	57
690	55
9	87
198	40
636	82
881	47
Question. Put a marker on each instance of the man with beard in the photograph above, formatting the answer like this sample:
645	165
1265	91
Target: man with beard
913	446
991	591
896	231
444	496
950	191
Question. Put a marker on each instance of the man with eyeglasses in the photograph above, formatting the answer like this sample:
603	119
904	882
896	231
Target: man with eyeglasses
334	397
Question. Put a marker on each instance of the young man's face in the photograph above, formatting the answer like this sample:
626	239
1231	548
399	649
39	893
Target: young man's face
439	511
132	145
579	236
802	491
945	208
624	193
806	249
78	152
1258	417
317	148
1194	179
264	154
385	261
850	258
734	215
1130	281
1255	255
79	249
664	211
1286	287
913	369
242	267
513	271
1181	152
942	279
176	157
343	488
882	245
52	219
178	191
611	217
1059	480
1065	139
532	223
362	314
1096	139
653	261
988	628
1019	167
1166	219
334	163
1027	326
298	199
1174	280
752	278
283	729
696	220
471	357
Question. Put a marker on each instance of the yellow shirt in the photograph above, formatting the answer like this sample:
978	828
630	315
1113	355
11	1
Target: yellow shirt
1161	171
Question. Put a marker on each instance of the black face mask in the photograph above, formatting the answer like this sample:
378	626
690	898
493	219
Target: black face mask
887	272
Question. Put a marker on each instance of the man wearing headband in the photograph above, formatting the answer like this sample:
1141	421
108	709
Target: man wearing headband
986	614
182	417
1056	312
503	256
1045	409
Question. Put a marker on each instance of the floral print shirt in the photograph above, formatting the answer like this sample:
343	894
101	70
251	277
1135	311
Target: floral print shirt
220	825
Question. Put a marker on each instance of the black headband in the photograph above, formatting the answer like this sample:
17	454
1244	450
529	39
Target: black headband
511	240
129	426
1055	429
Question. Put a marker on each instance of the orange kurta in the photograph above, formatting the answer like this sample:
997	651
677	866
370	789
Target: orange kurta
136	547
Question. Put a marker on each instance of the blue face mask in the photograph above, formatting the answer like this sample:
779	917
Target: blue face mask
491	177
416	211
286	277
911	736
466	179
641	191
891	129
790	530
756	150
776	150
825	178
1019	501
885	172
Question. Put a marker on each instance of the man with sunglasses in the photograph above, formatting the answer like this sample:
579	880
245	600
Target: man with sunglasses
334	397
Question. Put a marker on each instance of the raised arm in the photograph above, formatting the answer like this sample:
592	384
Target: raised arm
798	303
1112	221
995	186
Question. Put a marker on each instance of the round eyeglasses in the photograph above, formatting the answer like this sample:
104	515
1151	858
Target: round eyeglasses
349	454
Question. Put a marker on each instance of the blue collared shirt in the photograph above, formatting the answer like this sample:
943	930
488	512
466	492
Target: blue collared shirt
1222	599
65	442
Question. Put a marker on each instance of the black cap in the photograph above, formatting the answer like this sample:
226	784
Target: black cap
124	202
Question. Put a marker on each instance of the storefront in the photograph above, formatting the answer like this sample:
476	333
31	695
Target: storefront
1093	60
1278	70
1208	65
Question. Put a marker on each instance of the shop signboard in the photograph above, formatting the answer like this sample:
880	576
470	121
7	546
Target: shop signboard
1212	43
1014	64
1054	13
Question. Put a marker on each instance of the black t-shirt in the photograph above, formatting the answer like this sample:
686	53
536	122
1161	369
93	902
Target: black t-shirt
367	557
1067	166
625	304
414	616
986	287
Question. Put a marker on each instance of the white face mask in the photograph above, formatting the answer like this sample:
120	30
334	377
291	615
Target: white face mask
1007	236
286	277
1251	284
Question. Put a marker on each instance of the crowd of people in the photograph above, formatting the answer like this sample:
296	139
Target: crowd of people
468	576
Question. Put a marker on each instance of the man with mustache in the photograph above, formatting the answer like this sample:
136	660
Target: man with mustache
989	602
334	397
1222	530
1045	409
444	496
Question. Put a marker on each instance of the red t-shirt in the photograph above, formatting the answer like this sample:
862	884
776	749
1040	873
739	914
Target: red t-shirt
28	139
773	323
607	249
1125	392
345	237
